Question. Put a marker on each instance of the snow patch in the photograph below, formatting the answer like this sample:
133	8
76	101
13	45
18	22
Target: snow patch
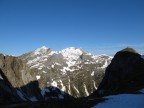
76	89
92	74
38	77
54	83
123	101
43	49
1	77
44	71
52	66
21	95
67	69
63	87
105	65
71	53
57	64
45	90
52	53
40	68
71	63
86	91
95	85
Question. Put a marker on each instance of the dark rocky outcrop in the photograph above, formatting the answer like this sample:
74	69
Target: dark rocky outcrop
124	74
14	75
7	92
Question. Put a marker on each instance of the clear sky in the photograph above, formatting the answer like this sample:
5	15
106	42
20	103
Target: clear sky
98	26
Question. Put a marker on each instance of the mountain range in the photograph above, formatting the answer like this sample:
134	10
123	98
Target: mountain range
73	70
43	73
73	75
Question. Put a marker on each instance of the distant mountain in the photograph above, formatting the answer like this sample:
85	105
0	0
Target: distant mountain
73	70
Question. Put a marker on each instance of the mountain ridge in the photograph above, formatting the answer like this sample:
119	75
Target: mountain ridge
58	68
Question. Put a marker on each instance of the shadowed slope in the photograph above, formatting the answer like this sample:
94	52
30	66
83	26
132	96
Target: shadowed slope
124	74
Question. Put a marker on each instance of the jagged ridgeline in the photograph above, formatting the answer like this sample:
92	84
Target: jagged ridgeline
73	70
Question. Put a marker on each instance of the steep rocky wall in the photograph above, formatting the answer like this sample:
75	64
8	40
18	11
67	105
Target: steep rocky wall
15	70
124	74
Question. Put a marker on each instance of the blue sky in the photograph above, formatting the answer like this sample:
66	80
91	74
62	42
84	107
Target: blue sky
99	26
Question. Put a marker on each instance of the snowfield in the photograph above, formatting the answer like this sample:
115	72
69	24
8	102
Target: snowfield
123	101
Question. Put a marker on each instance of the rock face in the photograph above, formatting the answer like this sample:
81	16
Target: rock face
17	84
13	74
124	74
72	70
15	70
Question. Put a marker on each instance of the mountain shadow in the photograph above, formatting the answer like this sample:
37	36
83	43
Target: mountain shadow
7	92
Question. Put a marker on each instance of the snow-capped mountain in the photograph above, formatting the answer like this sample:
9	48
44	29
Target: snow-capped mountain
73	70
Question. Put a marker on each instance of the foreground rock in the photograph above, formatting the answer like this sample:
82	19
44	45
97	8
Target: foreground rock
124	74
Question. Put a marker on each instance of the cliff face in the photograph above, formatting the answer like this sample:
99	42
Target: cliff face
124	74
17	84
13	75
15	70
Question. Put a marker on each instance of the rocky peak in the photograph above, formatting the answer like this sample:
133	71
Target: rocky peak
42	50
129	50
71	53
